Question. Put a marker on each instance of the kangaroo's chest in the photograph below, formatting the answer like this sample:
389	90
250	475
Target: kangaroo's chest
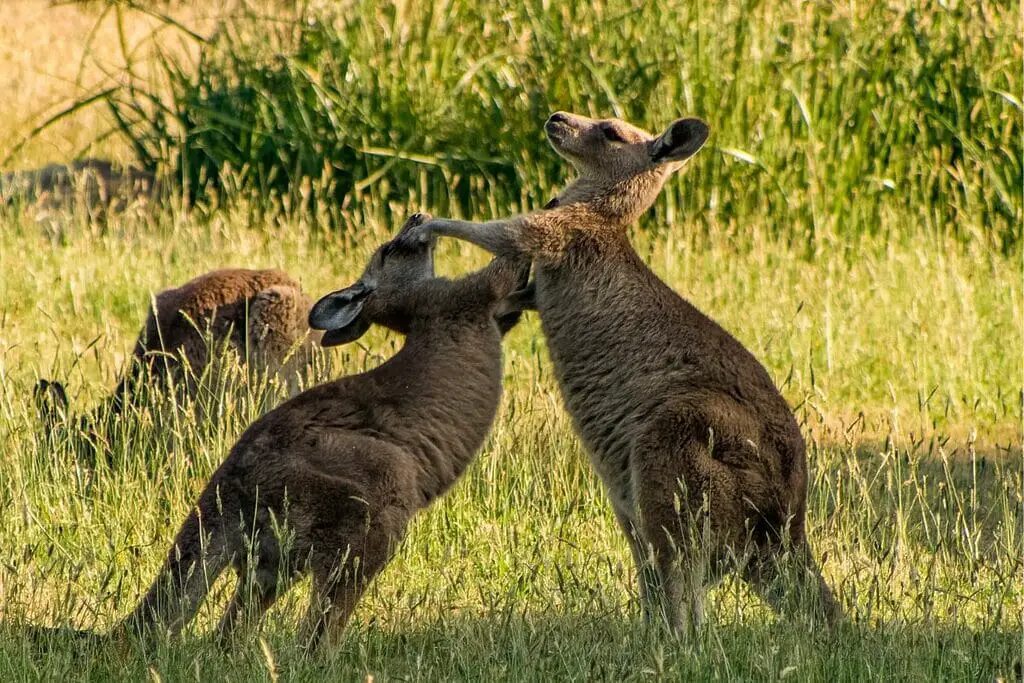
598	318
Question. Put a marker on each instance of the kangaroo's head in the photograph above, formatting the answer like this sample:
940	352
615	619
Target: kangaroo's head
393	273
620	167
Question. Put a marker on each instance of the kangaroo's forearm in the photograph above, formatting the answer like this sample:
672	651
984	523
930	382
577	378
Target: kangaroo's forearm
529	236
497	237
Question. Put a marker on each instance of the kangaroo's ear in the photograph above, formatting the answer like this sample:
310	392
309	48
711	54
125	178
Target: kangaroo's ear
344	335
51	400
682	140
510	309
339	314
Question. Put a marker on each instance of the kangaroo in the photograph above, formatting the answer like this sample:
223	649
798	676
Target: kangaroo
342	467
97	183
258	315
702	457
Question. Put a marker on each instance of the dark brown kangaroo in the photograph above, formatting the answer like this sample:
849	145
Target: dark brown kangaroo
702	458
259	316
329	480
92	184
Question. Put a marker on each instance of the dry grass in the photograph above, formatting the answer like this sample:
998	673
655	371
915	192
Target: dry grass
55	54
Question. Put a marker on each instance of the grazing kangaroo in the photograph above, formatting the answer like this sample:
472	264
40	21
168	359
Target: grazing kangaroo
342	467
258	315
703	459
96	183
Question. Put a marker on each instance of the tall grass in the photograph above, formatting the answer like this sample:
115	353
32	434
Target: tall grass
828	119
909	401
855	223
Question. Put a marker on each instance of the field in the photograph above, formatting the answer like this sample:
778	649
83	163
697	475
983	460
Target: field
884	296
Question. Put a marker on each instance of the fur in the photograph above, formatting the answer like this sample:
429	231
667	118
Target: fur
703	459
258	316
329	480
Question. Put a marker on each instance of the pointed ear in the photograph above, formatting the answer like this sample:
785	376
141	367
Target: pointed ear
682	140
51	400
339	314
344	335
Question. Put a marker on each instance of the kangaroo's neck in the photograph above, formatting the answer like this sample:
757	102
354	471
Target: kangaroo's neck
433	306
616	202
442	393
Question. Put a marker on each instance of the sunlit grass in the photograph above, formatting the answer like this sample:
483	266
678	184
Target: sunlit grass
896	338
914	503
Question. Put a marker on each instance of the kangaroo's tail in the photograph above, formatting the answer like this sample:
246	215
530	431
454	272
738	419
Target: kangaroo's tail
194	562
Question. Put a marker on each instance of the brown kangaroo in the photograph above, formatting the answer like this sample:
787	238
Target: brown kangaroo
257	315
702	458
329	480
94	184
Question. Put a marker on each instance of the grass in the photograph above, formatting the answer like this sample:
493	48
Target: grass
828	119
899	348
915	453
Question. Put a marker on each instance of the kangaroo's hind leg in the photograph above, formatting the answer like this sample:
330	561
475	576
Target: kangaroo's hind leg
264	574
649	583
787	577
343	570
689	510
253	597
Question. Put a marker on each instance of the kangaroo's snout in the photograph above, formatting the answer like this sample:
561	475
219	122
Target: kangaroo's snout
559	125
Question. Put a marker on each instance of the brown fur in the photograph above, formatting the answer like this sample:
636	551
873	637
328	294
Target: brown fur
329	480
258	316
703	459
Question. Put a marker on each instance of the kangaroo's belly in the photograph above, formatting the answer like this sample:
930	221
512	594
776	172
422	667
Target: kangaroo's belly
625	346
611	375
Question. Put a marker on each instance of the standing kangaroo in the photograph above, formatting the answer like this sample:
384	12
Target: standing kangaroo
342	467
258	315
703	459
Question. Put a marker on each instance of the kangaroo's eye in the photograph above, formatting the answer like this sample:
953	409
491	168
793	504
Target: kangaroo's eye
612	134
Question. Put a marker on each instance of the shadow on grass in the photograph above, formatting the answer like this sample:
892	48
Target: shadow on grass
535	647
943	499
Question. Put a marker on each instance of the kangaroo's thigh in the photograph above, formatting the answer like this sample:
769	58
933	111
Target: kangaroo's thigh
344	565
690	512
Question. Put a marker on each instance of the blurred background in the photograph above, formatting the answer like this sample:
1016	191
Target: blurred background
829	119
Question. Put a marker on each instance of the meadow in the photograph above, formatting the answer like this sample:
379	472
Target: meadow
855	222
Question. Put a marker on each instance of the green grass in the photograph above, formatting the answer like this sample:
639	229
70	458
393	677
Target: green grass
908	393
828	118
890	314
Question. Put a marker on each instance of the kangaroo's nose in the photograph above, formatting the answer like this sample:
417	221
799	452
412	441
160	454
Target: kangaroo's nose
558	117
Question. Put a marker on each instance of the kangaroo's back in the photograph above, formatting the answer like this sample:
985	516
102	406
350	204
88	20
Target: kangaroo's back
258	317
257	314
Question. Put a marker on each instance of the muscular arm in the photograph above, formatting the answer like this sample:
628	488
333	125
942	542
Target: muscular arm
500	237
542	233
